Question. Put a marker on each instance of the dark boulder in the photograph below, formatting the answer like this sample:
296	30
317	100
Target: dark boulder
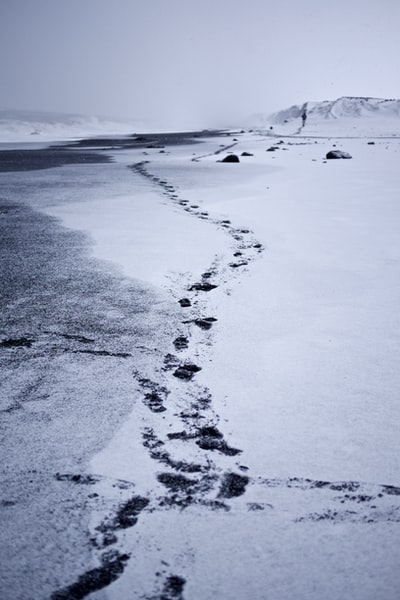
231	158
338	154
247	154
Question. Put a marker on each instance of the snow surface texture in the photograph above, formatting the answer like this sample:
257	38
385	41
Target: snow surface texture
260	457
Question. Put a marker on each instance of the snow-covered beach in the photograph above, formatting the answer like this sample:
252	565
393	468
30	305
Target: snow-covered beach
241	332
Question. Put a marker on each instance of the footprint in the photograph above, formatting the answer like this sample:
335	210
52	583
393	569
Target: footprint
186	371
233	485
205	323
202	287
154	402
181	342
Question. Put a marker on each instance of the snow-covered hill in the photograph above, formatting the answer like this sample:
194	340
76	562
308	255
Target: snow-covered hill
36	126
347	116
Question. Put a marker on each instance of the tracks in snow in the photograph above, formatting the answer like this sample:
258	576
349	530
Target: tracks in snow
181	432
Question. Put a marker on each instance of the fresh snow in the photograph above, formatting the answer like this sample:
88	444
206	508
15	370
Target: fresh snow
299	372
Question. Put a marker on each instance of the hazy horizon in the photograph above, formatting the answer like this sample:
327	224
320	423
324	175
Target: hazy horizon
189	65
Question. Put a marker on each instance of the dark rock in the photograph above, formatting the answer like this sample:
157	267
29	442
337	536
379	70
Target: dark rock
247	154
272	148
233	485
185	302
231	158
371	143
338	154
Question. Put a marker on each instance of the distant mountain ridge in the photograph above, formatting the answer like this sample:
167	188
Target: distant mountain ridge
348	116
346	106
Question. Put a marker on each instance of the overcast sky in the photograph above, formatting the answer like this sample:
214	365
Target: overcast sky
194	62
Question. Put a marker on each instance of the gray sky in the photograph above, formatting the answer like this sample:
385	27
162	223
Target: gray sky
194	62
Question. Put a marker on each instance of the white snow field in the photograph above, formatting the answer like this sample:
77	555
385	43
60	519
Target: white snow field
260	458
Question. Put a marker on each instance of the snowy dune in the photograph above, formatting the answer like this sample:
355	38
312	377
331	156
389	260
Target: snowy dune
260	455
